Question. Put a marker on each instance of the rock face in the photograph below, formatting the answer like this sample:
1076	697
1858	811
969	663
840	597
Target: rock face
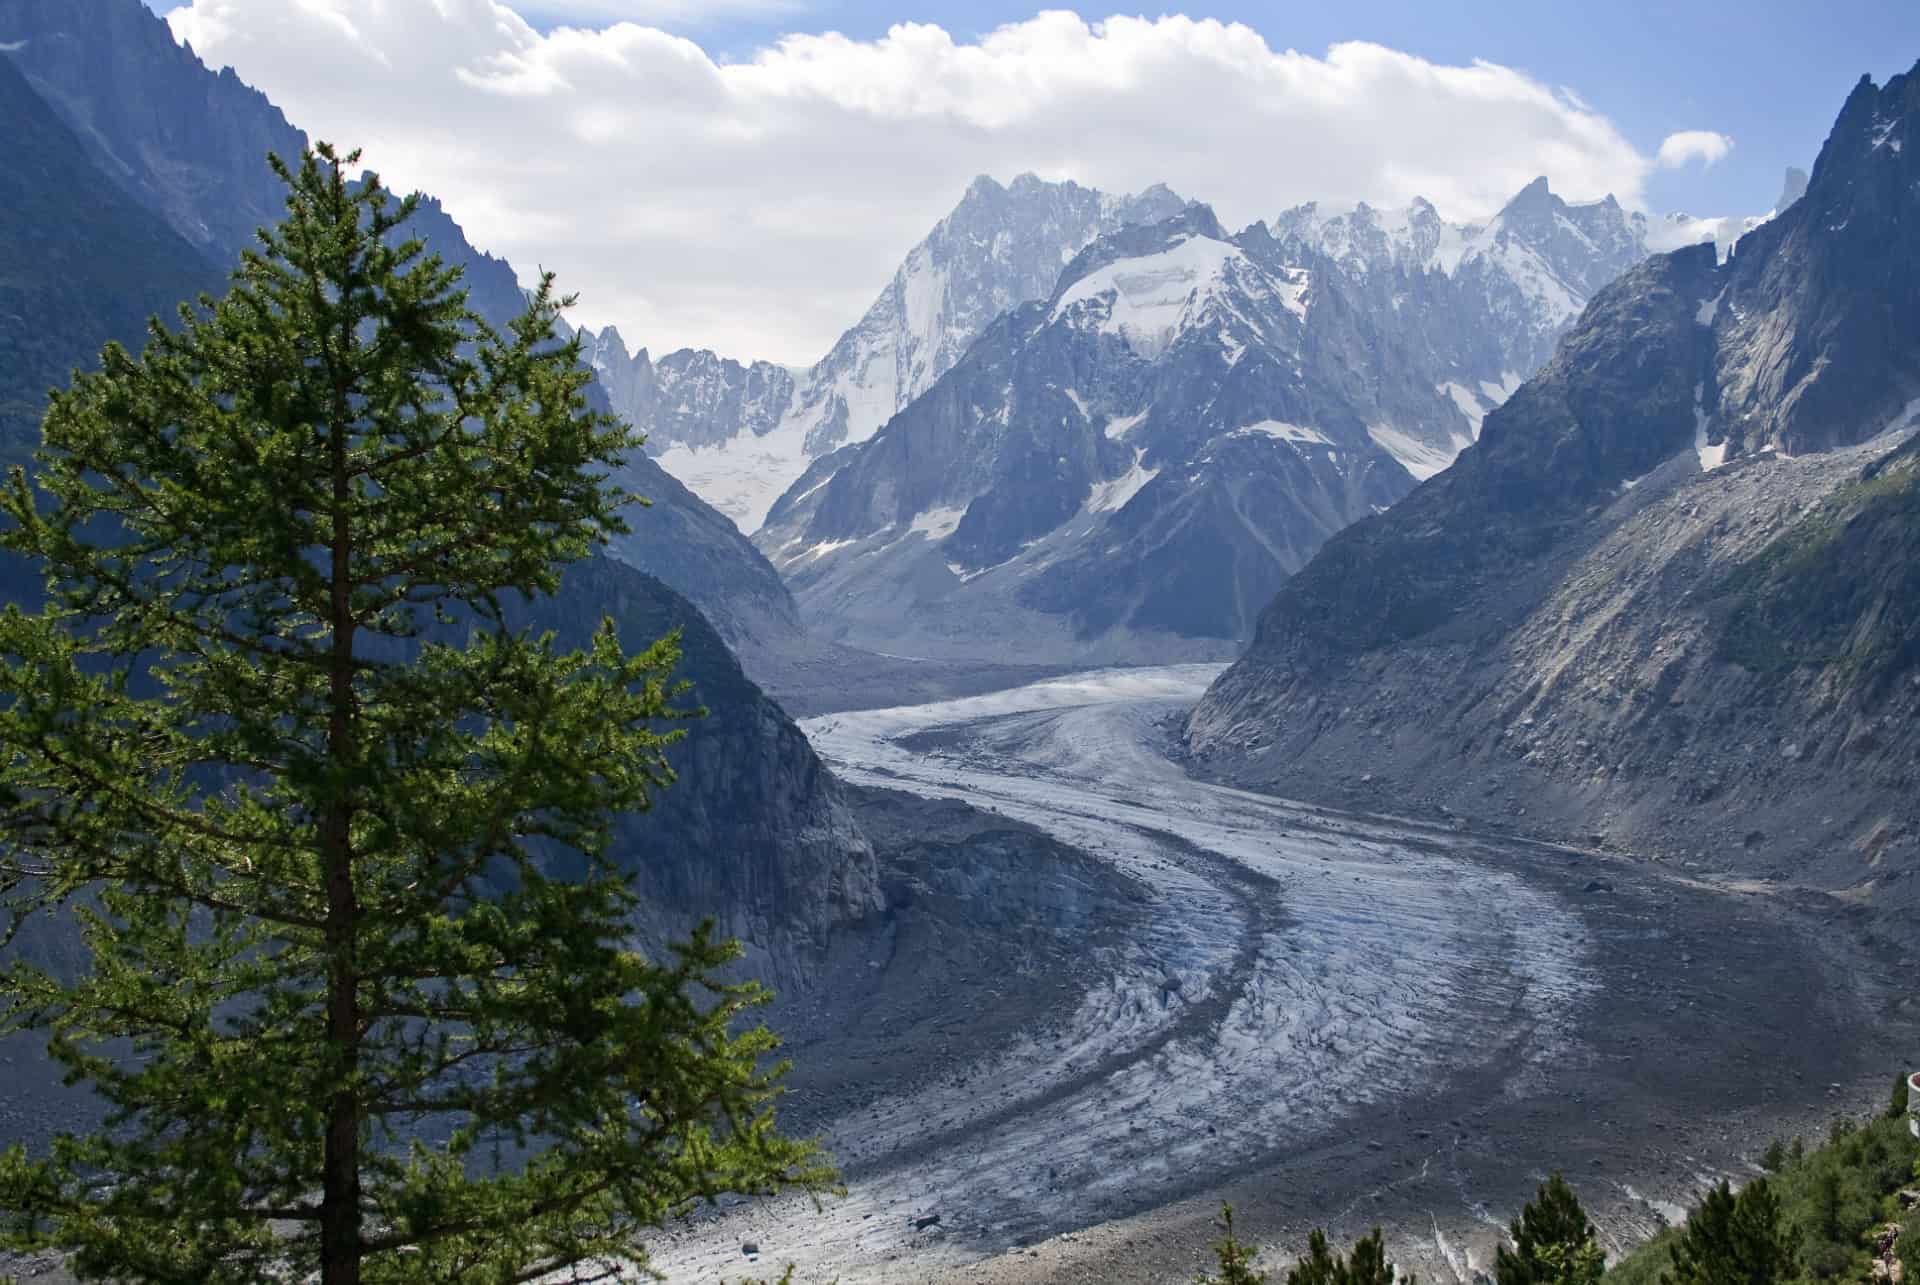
1000	247
740	434
1668	598
756	832
187	143
1129	469
691	397
1821	316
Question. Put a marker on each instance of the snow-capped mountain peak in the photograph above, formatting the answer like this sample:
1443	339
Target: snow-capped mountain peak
740	434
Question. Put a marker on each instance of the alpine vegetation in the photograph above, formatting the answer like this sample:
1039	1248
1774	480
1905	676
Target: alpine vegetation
357	989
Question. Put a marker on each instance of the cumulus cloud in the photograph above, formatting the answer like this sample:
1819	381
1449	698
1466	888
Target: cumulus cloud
1691	145
757	206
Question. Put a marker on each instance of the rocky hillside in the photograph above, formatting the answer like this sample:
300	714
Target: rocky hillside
740	434
1131	467
1668	599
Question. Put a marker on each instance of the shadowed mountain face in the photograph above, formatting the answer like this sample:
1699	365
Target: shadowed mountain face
81	263
1129	468
1820	321
189	144
1668	596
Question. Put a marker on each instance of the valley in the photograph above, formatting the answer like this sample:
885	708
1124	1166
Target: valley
1335	1019
1223	683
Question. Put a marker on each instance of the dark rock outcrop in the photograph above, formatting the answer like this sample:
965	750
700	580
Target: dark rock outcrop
755	832
1821	315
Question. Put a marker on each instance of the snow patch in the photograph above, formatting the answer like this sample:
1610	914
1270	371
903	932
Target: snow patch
1109	496
1553	302
1422	459
1707	311
12	46
1149	297
1120	425
743	476
1711	457
938	524
1285	432
1472	407
1497	394
963	575
820	550
1078	404
922	294
1293	291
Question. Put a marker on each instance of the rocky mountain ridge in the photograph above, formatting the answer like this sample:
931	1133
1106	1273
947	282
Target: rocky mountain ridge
81	262
1666	601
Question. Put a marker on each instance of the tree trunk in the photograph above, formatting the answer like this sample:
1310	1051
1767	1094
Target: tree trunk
340	1250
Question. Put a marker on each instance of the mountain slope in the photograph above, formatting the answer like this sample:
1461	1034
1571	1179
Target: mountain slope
1129	469
80	262
186	143
755	832
1667	599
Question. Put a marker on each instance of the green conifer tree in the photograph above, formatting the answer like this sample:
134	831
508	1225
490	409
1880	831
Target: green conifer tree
1321	1266
277	757
1235	1260
1553	1241
1367	1263
1732	1240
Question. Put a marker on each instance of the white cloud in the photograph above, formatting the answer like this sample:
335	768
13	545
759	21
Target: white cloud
668	13
1691	145
756	207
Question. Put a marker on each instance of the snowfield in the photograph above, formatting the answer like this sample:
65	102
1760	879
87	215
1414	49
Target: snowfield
1311	986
